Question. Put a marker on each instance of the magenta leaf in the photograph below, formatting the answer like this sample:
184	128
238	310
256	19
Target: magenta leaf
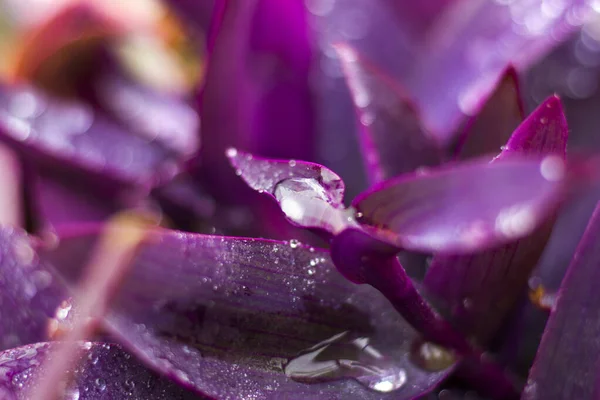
68	137
481	289
257	93
155	116
106	373
310	195
464	207
392	139
472	43
235	317
491	128
29	291
566	365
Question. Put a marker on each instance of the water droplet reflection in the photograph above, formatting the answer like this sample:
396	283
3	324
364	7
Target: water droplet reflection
347	355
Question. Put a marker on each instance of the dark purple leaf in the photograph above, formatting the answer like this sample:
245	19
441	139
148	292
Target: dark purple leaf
491	128
257	94
472	43
392	139
228	314
195	14
106	373
56	202
481	289
566	365
29	292
310	195
163	117
465	207
68	137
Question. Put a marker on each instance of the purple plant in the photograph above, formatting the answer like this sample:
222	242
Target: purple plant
138	260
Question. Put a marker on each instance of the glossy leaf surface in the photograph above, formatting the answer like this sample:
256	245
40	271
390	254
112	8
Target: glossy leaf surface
480	289
464	207
566	365
228	314
106	372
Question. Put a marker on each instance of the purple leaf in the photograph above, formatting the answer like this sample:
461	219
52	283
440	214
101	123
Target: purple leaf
481	289
470	206
106	373
68	138
491	128
229	314
55	202
391	136
472	43
257	94
566	365
163	117
196	14
310	195
29	292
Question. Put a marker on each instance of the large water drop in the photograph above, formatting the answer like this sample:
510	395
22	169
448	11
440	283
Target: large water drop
347	355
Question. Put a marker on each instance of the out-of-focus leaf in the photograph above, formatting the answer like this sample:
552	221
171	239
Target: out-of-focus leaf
55	203
491	128
566	365
106	373
163	117
481	289
465	207
195	14
310	195
392	139
29	292
228	314
69	138
257	94
472	43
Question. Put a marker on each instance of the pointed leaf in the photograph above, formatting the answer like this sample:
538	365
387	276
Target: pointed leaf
70	138
29	292
472	43
107	373
465	207
481	289
392	139
228	314
491	128
310	195
566	365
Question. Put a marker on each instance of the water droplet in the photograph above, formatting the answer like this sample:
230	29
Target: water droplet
238	172
231	152
431	357
23	251
543	120
292	163
347	355
101	384
294	243
72	393
63	309
311	271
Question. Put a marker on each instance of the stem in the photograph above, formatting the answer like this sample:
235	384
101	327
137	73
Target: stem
362	259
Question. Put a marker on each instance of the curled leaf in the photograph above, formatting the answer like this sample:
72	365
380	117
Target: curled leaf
310	195
481	289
